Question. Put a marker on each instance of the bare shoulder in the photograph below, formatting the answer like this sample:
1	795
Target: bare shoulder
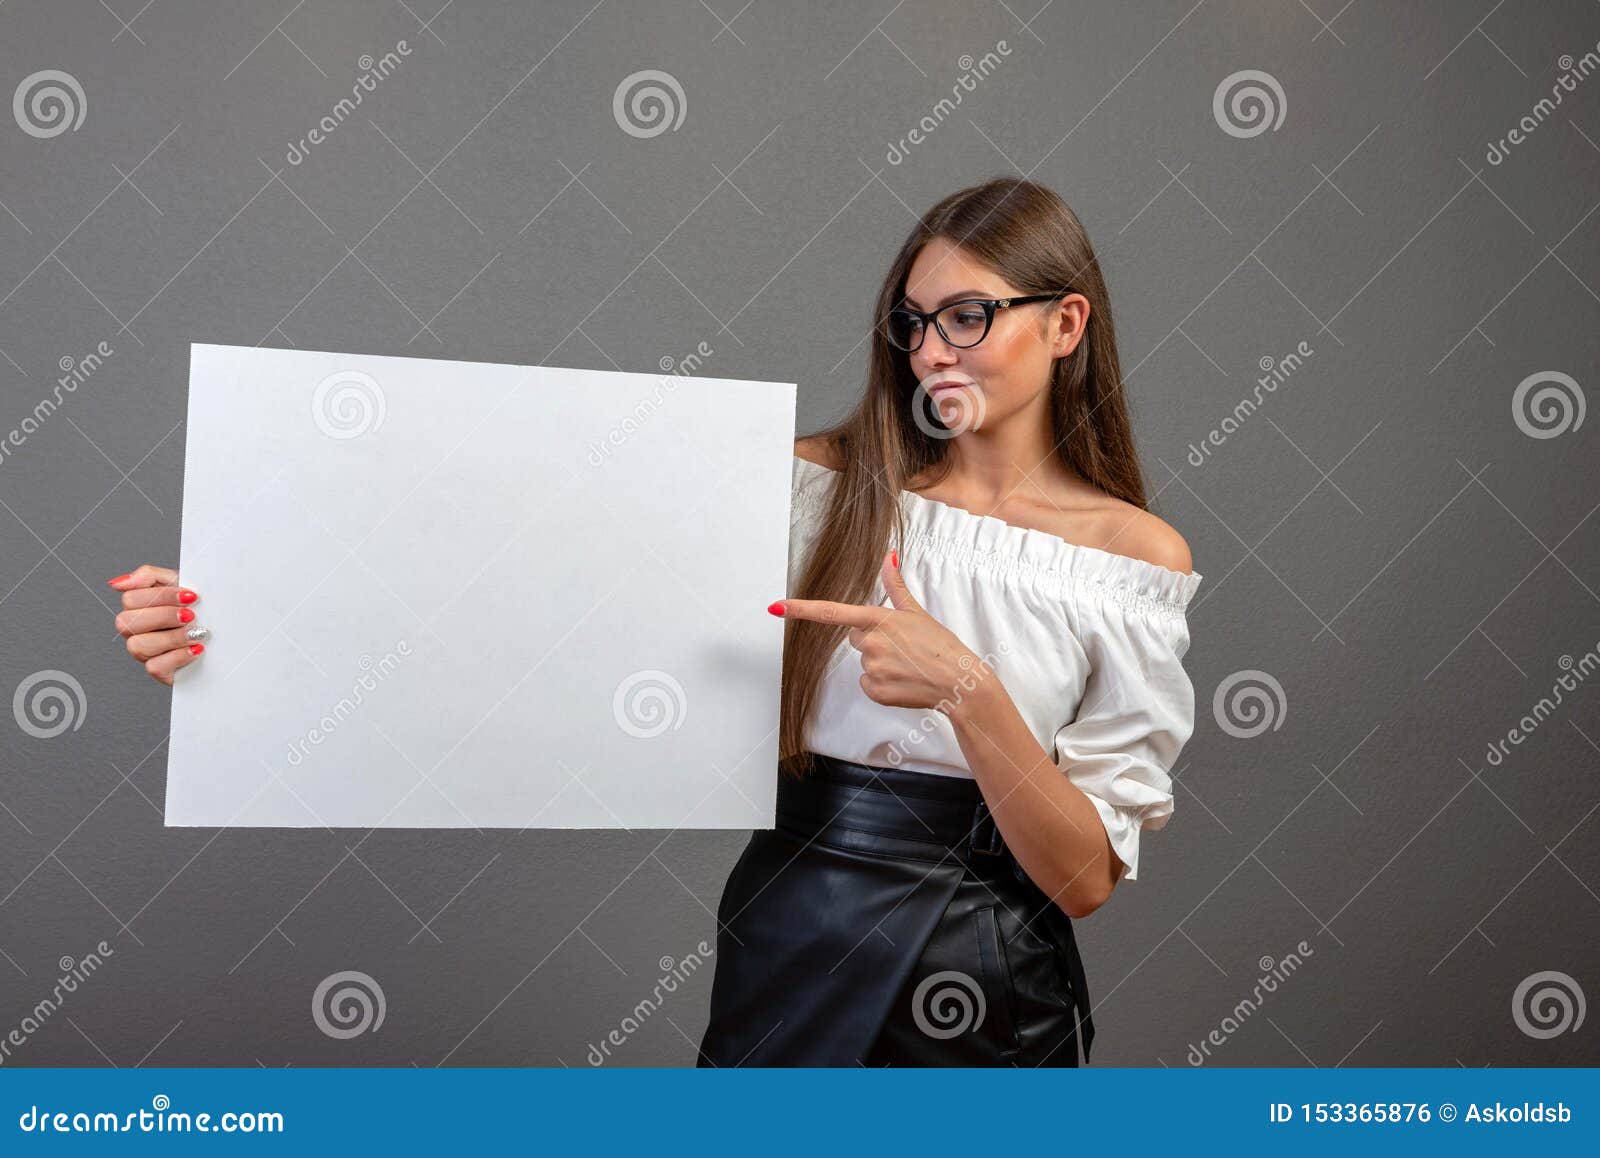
1111	524
1136	532
816	449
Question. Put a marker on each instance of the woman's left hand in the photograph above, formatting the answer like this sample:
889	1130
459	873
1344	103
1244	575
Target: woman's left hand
908	658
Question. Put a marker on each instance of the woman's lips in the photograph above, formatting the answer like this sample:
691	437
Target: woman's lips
948	381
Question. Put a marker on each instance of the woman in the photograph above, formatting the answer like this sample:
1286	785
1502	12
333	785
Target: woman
980	709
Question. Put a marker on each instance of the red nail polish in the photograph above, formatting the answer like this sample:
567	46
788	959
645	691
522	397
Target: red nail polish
187	596
117	580
196	648
894	557
185	616
776	608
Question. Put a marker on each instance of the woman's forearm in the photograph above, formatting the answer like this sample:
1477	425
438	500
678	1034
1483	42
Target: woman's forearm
1049	824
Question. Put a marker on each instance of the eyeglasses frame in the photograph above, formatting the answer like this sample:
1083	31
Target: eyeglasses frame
990	307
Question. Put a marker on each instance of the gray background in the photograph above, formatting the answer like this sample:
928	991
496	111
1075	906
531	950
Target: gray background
1382	537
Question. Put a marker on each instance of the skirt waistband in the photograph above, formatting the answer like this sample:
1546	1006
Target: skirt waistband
920	815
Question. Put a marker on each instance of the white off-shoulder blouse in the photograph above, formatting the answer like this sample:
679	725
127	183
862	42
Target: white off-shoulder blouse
1089	644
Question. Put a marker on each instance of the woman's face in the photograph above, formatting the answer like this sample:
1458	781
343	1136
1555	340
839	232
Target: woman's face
1008	370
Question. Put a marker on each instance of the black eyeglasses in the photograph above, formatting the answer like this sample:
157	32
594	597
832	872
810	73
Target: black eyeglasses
961	324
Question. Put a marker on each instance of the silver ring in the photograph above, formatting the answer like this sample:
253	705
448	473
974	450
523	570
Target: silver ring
197	632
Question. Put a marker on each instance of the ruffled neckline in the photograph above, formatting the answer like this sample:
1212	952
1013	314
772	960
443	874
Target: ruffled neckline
989	543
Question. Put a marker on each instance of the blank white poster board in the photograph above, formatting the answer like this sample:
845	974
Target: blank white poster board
450	594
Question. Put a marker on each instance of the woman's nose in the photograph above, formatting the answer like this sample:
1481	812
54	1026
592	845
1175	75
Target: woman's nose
935	352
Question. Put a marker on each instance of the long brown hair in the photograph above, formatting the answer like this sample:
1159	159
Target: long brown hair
1032	238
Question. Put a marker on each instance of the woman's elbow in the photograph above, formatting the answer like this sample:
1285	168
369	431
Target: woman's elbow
1083	895
1079	906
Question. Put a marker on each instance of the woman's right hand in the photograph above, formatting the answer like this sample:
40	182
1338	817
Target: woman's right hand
158	621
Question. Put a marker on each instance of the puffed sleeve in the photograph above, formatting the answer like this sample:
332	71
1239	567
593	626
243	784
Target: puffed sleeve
808	495
1136	714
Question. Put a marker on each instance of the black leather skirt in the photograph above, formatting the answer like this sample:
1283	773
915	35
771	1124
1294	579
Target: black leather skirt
884	922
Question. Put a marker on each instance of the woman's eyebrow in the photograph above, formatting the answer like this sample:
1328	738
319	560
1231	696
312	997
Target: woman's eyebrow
948	298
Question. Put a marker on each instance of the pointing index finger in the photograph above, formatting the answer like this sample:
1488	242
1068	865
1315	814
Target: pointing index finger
826	611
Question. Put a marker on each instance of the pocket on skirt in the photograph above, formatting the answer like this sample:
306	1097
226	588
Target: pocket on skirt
1035	962
997	984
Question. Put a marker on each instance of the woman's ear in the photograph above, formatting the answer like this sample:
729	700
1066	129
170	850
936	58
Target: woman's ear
1071	322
